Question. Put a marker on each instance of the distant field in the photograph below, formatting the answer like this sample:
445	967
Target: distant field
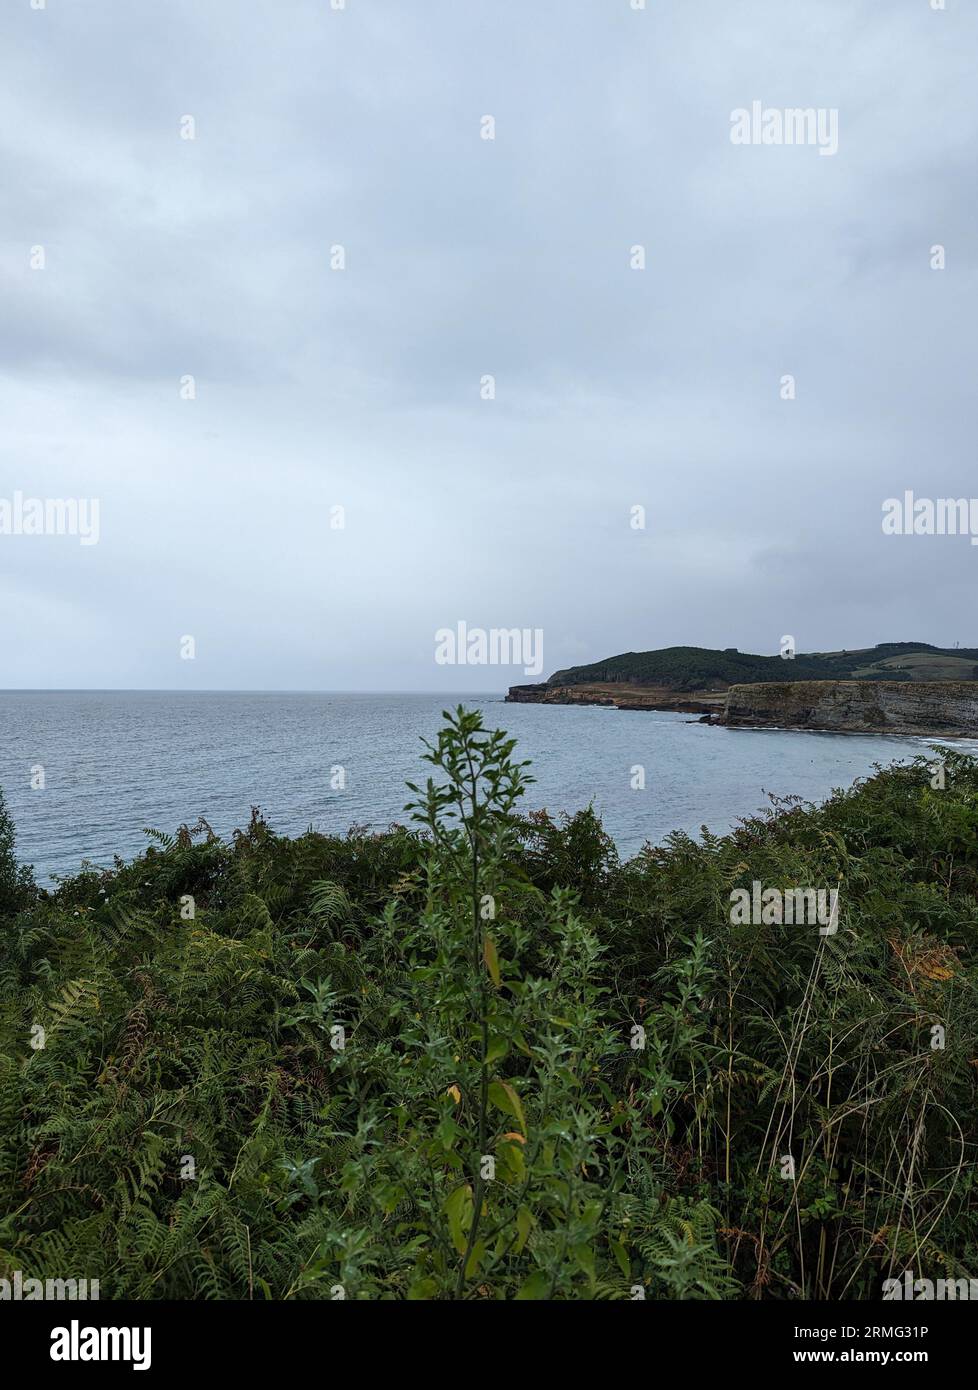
924	666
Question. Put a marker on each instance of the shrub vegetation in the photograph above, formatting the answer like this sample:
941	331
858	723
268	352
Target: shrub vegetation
477	1057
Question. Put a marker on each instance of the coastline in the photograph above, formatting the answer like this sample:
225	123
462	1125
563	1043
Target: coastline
913	709
613	695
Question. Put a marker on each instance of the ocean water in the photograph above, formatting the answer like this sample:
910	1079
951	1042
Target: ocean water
118	762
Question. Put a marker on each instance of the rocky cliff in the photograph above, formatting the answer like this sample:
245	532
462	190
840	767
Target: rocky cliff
618	695
939	709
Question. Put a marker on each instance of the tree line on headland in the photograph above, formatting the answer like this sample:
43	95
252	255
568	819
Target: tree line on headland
705	668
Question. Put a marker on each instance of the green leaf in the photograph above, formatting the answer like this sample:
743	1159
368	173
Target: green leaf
458	1209
502	1095
524	1225
475	1259
447	1132
491	959
511	1161
536	1287
423	1289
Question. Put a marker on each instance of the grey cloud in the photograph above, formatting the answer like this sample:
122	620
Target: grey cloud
467	257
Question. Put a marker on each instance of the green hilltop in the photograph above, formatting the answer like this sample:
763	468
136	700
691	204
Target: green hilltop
702	668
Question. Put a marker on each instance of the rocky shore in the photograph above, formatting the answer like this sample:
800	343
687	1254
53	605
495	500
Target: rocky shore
619	695
937	709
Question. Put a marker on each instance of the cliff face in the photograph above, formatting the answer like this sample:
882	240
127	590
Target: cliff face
530	694
941	709
617	694
558	695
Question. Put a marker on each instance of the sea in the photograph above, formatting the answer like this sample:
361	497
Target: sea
86	773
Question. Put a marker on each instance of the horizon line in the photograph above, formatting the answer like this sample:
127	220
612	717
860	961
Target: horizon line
223	690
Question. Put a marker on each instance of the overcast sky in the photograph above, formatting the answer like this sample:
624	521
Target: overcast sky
362	127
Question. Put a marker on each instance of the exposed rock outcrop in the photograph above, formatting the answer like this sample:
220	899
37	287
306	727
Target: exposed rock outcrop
529	694
617	695
939	709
